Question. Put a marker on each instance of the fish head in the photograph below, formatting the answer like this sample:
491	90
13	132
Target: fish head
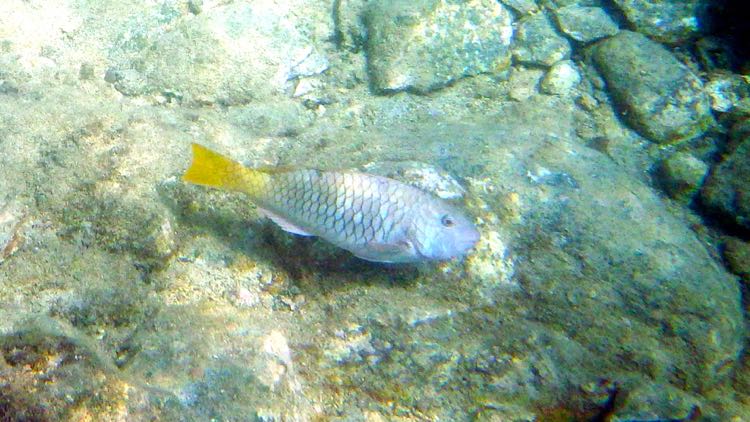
439	231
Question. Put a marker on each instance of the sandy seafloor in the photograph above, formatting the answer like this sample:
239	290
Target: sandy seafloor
608	283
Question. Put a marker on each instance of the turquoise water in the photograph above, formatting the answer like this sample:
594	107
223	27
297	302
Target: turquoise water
600	148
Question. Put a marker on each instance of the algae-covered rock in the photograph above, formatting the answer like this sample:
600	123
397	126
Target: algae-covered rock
522	7
737	256
282	118
428	44
671	21
657	402
659	96
215	363
348	18
681	175
230	54
11	219
571	254
727	189
727	92
49	371
538	43
121	224
585	24
524	83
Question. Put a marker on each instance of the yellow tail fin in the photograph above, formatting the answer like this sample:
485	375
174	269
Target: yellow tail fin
210	168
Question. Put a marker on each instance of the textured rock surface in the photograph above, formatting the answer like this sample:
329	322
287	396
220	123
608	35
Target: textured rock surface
661	401
524	83
427	44
660	97
669	21
11	220
585	24
523	7
727	189
348	16
561	78
737	255
727	92
537	42
681	176
230	54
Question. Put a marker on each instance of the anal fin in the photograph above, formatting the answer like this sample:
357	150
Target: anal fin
285	224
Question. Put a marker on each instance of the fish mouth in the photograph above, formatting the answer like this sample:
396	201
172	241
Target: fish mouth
471	240
465	244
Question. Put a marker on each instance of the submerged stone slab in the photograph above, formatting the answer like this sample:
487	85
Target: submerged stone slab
657	95
427	44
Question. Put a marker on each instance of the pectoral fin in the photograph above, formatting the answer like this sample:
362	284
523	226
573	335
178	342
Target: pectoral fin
285	224
401	251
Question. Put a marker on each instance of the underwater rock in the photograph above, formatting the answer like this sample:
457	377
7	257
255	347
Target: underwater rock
50	371
585	24
420	175
553	300
538	43
348	15
216	360
523	82
737	256
670	21
11	219
425	45
681	176
121	224
727	91
659	96
561	78
727	189
582	275
230	54
655	402
522	7
282	117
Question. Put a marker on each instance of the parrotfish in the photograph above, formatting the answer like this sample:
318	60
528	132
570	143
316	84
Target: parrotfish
374	217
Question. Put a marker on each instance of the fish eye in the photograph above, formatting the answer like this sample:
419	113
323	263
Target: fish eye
447	221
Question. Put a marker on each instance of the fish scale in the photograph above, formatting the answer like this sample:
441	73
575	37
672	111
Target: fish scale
357	212
374	217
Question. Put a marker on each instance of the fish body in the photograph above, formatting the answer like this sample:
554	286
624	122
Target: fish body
375	218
